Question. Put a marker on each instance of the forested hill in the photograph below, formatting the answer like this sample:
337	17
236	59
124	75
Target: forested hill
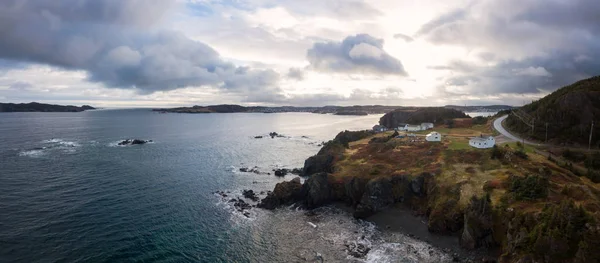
568	113
41	107
436	115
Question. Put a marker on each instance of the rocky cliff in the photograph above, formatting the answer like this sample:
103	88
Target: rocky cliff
465	193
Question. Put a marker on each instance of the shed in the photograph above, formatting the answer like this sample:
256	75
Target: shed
433	137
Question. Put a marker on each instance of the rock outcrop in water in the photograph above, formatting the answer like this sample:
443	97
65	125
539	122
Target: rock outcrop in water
133	142
285	193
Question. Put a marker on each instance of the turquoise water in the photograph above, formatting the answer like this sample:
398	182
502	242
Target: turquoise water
68	193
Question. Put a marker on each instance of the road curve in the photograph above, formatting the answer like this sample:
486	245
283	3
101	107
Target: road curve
501	130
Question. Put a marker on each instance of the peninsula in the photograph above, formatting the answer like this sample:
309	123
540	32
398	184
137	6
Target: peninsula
518	203
40	107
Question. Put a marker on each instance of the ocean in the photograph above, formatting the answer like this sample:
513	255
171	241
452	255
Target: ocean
69	193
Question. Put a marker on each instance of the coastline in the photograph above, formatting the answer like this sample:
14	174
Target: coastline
401	220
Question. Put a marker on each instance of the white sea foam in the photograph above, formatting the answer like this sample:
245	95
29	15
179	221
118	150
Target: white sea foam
32	153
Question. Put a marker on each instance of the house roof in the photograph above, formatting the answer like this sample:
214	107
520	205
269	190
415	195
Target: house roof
433	133
481	139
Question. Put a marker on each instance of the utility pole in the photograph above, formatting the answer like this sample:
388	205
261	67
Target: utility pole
546	133
591	130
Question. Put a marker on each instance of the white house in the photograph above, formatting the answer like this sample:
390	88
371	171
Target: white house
379	128
433	137
426	125
408	127
482	142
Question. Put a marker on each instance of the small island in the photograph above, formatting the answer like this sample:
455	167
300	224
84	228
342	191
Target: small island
41	107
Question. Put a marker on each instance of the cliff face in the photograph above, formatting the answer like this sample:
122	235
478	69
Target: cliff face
436	115
466	193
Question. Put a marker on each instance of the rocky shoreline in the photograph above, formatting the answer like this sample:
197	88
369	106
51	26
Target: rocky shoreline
484	232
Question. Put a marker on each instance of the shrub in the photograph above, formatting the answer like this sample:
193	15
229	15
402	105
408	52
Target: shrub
479	120
530	187
594	176
559	233
521	154
573	155
497	152
593	161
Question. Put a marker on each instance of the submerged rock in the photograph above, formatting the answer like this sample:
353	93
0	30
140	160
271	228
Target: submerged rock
250	195
357	250
133	142
281	172
274	134
250	170
240	205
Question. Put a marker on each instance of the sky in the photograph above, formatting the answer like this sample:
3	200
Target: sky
161	53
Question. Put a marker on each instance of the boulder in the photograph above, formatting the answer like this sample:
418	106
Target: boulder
318	190
240	205
281	172
133	142
274	134
284	193
250	195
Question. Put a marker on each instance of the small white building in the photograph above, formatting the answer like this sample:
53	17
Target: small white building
426	125
408	127
433	137
482	142
379	128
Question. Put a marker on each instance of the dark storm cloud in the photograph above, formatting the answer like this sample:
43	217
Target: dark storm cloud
113	41
355	54
403	37
539	46
532	75
582	14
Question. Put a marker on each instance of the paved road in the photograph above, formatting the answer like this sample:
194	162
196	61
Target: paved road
501	130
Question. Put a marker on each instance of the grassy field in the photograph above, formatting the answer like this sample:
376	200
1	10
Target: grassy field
462	170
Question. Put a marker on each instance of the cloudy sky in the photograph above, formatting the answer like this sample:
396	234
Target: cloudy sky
144	53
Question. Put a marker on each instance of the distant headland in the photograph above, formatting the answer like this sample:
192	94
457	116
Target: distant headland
41	107
337	110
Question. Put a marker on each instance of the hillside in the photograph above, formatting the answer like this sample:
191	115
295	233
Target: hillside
569	113
437	115
40	107
517	205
